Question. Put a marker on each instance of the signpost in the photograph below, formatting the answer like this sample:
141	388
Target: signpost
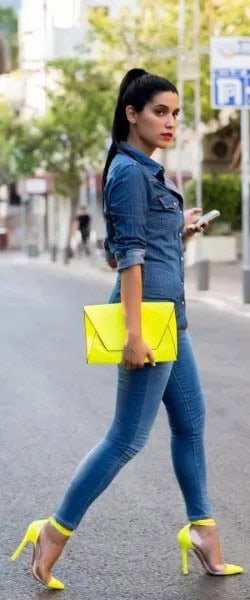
230	87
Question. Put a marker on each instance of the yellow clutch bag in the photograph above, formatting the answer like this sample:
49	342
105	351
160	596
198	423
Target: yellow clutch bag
105	331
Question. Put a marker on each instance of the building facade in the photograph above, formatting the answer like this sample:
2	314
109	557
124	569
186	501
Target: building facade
49	30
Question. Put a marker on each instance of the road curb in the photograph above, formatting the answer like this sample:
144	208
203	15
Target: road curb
220	304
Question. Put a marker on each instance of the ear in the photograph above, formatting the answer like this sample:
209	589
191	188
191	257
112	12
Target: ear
131	115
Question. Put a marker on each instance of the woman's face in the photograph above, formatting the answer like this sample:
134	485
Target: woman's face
155	126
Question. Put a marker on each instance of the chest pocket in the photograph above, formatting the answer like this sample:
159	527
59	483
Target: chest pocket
165	212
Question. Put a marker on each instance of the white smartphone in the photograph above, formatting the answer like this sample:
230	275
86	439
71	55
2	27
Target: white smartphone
207	217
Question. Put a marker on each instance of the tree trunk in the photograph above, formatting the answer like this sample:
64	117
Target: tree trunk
73	208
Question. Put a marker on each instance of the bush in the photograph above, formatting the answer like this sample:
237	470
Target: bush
222	192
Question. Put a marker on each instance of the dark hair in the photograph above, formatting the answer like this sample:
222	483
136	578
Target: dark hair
137	88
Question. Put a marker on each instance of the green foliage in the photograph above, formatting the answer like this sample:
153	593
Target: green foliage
136	38
222	192
72	135
8	26
16	147
145	38
4	164
6	117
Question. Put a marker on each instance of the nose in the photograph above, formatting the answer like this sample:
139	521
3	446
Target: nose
170	120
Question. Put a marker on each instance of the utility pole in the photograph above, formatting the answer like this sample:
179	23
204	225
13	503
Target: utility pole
202	263
189	69
45	58
245	203
180	85
197	99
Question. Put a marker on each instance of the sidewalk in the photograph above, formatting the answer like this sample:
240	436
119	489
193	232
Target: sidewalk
225	288
225	281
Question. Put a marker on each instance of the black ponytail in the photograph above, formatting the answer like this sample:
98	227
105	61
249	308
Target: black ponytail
120	127
137	88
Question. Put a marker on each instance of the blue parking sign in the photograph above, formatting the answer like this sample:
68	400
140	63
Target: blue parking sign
230	72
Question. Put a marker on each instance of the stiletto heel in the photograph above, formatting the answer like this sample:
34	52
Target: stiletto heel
20	548
184	560
190	540
32	536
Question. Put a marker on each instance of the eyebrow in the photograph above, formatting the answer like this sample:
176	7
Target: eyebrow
165	106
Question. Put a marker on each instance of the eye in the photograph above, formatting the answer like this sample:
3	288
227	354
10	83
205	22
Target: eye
160	112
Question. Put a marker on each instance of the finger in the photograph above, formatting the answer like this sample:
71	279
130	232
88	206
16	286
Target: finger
201	228
190	229
196	211
151	358
133	366
126	363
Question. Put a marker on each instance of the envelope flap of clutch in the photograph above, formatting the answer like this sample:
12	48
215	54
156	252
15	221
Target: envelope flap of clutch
157	319
109	323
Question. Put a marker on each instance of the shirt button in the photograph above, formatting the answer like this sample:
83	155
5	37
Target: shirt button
180	234
182	258
182	302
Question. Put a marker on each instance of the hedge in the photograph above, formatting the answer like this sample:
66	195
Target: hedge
222	192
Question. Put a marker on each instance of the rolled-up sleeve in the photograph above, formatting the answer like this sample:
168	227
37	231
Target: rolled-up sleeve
128	207
108	254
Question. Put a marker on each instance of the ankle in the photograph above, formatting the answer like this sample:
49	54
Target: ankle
56	533
60	528
53	535
204	522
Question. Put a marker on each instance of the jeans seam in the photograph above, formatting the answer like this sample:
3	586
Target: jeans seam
70	526
191	420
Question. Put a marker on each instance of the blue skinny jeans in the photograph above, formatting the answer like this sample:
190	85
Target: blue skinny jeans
139	395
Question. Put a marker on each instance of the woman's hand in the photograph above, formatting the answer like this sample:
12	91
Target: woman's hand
134	353
191	217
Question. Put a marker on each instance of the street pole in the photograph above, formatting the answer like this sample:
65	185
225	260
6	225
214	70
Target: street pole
197	100
45	68
245	203
202	264
93	209
180	85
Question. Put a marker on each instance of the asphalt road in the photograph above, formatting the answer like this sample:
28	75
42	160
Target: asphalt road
54	408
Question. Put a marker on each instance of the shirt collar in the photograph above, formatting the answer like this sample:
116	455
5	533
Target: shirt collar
154	167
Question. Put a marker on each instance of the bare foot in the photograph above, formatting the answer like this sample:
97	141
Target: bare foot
49	547
207	540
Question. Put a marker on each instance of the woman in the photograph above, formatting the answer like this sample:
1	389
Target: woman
145	228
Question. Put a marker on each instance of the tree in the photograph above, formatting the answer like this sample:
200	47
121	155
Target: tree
136	38
69	139
17	149
144	38
8	28
5	119
72	136
74	132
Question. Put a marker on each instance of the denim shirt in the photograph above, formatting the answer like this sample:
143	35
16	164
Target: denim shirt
144	221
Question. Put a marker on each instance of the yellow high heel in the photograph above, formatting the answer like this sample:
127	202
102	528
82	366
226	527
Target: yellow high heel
31	537
186	544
